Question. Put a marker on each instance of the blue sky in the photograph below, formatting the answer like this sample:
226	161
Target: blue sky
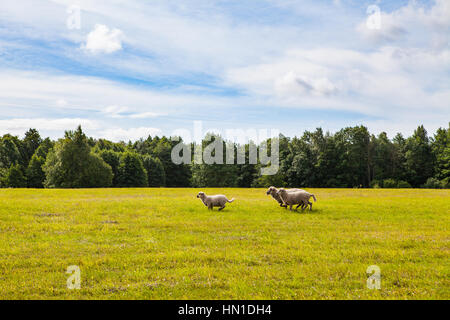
134	68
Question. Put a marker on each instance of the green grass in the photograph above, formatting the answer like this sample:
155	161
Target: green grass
164	244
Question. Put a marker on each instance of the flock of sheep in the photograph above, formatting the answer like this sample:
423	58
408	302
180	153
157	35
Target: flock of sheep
285	198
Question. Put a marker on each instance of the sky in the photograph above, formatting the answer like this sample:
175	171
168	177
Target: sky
126	69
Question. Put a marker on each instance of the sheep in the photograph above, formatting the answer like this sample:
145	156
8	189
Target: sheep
273	192
300	198
214	201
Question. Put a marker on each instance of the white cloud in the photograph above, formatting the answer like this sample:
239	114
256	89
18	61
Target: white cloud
195	38
412	20
103	40
19	126
61	103
40	90
126	112
116	111
277	58
145	115
133	134
105	102
294	84
386	82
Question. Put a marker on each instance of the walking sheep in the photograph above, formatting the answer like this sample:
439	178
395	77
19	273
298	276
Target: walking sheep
214	201
274	193
299	198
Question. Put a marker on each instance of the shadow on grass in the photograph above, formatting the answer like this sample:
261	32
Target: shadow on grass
299	211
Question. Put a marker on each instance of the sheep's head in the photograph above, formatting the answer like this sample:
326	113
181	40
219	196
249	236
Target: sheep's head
271	190
281	191
201	195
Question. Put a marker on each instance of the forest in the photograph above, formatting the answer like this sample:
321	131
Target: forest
349	158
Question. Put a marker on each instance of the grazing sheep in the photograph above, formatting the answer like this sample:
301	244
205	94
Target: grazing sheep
300	198
274	193
214	201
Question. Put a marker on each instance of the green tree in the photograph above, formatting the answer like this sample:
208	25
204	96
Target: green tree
399	158
44	148
177	175
103	144
218	173
300	164
35	174
419	157
432	183
131	171
98	173
382	157
113	159
390	184
352	151
441	150
70	164
358	156
403	184
9	152
15	178
247	172
155	171
31	142
328	164
3	173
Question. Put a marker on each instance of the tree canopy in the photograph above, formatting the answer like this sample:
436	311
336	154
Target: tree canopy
351	157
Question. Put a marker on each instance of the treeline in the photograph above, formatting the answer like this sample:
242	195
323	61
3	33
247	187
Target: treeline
352	157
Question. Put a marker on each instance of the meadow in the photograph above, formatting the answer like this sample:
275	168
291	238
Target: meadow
164	244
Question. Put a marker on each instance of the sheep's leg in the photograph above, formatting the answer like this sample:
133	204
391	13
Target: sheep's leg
290	207
221	208
304	205
300	204
210	207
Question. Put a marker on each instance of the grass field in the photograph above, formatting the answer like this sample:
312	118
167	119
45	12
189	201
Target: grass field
164	244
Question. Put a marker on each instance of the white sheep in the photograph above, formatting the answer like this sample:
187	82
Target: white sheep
274	193
299	198
214	201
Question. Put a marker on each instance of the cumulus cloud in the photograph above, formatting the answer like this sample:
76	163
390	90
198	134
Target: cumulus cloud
103	40
387	81
293	84
133	134
412	19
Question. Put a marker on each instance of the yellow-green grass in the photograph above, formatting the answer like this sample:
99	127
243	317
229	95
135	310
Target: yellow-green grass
165	244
